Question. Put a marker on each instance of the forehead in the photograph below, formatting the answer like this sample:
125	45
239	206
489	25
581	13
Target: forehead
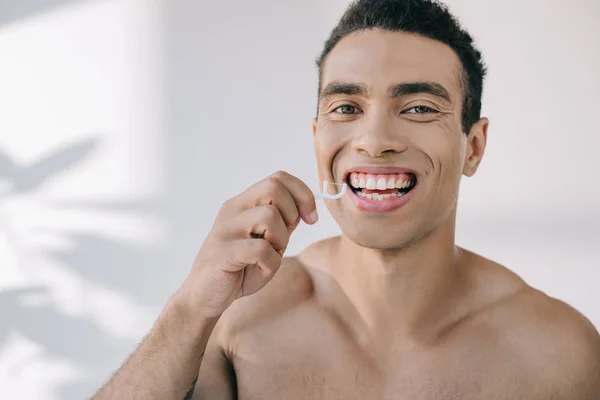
380	58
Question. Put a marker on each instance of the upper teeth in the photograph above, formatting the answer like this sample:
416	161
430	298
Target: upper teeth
380	181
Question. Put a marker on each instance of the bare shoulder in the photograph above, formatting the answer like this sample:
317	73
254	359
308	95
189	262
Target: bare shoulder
287	295
554	343
561	345
262	312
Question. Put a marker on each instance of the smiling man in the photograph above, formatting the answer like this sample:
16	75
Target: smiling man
393	308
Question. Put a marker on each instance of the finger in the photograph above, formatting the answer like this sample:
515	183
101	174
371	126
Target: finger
245	252
269	191
302	195
264	222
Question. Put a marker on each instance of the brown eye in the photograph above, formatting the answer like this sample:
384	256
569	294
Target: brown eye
346	109
420	110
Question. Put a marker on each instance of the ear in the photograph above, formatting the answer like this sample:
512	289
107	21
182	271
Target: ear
476	142
314	126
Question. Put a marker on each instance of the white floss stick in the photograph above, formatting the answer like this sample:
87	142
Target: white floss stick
326	195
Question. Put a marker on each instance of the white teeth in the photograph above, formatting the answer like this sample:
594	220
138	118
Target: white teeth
379	197
361	181
371	184
378	182
402	184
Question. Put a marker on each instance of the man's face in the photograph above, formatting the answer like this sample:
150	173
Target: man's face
390	119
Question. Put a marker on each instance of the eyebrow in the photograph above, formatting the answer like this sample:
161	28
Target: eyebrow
351	89
432	88
398	90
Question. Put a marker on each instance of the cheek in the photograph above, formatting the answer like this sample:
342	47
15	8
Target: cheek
329	140
443	145
442	141
449	172
334	134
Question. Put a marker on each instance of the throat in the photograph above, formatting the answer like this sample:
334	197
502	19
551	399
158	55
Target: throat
403	292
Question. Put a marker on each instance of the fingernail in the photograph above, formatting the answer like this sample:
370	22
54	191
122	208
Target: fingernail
313	217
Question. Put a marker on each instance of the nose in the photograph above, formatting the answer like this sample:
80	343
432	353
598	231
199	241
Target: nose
378	138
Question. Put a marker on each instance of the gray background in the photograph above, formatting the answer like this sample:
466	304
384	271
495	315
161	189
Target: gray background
125	124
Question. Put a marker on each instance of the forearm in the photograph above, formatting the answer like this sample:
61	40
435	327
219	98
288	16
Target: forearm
167	362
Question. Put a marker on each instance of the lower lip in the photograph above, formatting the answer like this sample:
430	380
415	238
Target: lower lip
381	206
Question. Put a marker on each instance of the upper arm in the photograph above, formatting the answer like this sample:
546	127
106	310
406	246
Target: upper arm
580	371
568	354
216	378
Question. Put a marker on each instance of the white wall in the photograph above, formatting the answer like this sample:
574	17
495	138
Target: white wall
125	124
81	169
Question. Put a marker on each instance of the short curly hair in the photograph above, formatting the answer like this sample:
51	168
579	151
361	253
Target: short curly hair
427	18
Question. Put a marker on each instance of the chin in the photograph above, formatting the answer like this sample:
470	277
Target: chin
380	237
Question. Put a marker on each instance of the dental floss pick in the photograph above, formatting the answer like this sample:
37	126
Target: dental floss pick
326	195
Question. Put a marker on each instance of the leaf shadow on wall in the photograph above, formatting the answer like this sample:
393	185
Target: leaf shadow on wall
136	272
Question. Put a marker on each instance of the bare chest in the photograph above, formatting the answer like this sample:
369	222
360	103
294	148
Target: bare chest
316	362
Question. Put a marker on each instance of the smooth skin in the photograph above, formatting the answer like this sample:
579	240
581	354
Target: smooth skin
392	308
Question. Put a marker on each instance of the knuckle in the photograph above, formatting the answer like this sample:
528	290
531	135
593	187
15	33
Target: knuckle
279	174
272	185
273	191
226	205
271	213
295	215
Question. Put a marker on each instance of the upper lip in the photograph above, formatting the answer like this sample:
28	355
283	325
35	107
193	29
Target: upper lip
378	169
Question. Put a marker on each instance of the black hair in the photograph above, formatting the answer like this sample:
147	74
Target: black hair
427	18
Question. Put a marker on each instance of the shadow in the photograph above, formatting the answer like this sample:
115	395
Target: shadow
46	326
11	11
77	340
27	178
144	274
136	271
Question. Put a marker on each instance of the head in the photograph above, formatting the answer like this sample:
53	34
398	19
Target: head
400	86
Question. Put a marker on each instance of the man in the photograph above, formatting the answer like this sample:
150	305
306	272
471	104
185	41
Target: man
391	309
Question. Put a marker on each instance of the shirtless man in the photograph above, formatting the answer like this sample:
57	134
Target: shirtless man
391	309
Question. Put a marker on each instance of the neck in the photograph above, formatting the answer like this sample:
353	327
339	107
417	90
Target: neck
396	292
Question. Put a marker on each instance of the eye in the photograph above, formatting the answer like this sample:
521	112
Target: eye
346	109
420	110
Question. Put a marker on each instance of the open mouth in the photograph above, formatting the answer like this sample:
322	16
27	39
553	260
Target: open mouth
381	186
